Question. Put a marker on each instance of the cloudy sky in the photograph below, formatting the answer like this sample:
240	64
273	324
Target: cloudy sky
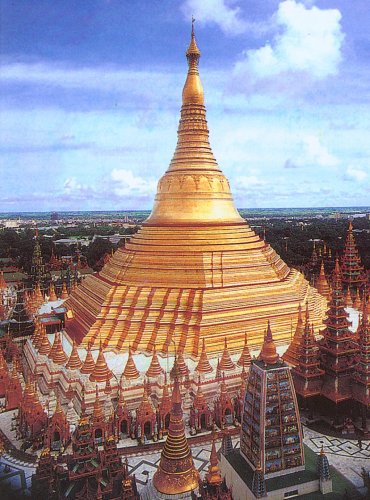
90	95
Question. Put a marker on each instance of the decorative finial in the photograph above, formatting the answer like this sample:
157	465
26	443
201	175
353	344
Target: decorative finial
192	25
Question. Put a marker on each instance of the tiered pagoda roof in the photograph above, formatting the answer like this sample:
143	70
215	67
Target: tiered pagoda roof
176	473
361	372
307	374
353	274
195	270
338	348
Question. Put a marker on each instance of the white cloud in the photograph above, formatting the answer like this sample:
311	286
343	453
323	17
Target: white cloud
355	173
315	152
128	183
220	12
308	41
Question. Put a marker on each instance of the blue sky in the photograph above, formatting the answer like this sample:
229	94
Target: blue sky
90	94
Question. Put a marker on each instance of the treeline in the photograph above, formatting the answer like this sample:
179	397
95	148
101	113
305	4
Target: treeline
292	240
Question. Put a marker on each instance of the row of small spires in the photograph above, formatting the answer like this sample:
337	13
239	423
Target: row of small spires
99	371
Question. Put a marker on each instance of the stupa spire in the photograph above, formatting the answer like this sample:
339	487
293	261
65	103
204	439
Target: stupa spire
204	365
268	352
44	343
155	368
89	363
291	355
245	357
213	477
226	361
176	473
57	353
193	190
101	371
74	361
130	372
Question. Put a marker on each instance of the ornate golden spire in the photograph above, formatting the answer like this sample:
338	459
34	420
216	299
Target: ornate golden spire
226	361
184	370
155	368
130	372
176	473
52	294
245	357
322	284
193	190
89	363
101	371
292	353
57	353
204	365
268	352
74	362
213	477
44	344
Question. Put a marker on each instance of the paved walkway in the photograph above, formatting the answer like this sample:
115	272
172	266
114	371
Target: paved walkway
344	454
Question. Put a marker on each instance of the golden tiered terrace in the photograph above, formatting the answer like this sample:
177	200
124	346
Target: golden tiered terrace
195	269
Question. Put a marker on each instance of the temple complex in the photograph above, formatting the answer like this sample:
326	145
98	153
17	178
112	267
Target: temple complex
197	290
195	270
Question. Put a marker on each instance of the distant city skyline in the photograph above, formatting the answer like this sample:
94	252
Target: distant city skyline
90	95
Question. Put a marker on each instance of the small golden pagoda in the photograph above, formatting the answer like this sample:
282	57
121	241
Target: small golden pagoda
291	355
155	369
322	283
89	363
57	353
176	473
101	372
204	365
195	270
130	372
74	362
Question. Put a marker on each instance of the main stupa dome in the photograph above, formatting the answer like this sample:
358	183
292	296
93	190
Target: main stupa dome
195	270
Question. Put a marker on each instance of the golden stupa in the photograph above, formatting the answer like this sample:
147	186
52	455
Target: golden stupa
195	269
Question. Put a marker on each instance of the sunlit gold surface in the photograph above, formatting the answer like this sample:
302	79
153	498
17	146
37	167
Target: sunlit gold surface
195	269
